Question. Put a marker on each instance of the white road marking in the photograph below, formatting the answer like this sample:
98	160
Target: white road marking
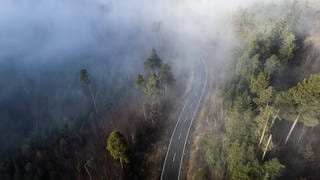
194	113
193	94
179	136
174	130
174	157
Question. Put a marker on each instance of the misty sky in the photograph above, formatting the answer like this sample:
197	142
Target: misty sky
41	29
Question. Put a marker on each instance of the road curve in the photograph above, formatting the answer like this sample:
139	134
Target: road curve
175	152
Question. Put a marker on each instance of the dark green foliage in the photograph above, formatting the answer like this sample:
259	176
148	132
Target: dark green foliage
287	45
166	76
253	101
272	169
259	45
238	167
159	76
214	155
153	62
139	82
303	99
117	146
152	84
40	160
271	64
247	65
251	98
259	82
265	97
62	153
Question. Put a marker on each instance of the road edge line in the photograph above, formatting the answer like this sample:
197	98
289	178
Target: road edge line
194	114
165	160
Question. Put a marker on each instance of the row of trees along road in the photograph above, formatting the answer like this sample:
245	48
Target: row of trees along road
154	85
259	93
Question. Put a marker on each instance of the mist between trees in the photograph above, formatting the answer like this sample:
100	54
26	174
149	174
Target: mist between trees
46	112
269	92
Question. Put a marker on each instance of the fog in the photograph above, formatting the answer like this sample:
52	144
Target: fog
44	44
37	30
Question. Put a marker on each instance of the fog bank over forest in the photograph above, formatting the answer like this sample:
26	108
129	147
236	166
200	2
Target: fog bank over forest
44	44
79	76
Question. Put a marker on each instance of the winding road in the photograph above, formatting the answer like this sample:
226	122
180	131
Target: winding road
175	152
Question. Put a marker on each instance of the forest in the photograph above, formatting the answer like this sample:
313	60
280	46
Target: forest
94	89
91	148
271	99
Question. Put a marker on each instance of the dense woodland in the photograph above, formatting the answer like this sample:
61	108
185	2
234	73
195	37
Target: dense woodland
100	145
272	99
100	117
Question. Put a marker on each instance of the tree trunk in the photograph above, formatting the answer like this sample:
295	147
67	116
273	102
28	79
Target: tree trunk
93	99
144	111
87	170
301	133
121	163
133	138
265	150
165	90
274	118
263	132
291	129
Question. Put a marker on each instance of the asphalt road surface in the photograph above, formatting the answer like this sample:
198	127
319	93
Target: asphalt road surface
173	160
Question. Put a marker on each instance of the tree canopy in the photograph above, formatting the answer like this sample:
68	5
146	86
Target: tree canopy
303	99
139	81
117	146
153	62
166	76
159	76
